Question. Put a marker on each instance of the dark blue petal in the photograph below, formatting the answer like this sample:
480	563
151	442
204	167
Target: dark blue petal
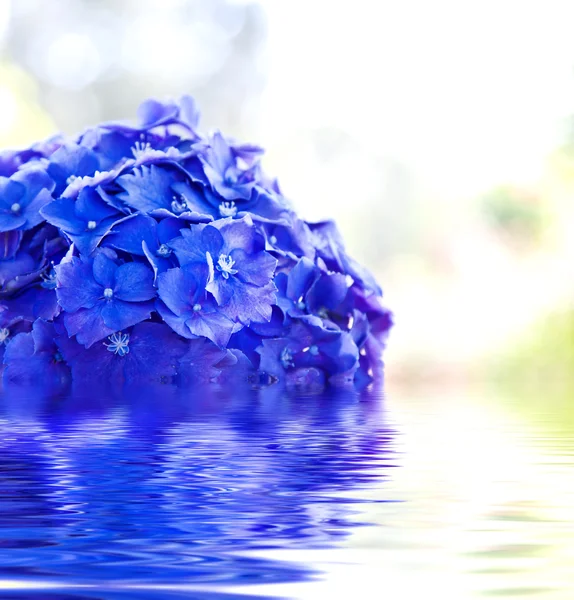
9	244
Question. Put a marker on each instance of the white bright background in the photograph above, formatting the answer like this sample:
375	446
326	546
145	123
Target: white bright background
392	117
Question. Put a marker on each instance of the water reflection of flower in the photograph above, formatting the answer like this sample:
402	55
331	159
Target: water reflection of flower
202	469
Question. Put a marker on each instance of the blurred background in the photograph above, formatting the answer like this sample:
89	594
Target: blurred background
439	134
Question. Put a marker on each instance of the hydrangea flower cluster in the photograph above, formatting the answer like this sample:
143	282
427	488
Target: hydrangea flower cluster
152	252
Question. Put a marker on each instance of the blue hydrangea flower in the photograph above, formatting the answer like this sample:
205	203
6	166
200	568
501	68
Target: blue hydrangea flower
85	221
241	271
25	258
35	357
310	345
203	193
310	290
21	198
331	248
144	236
68	163
230	175
149	251
189	309
100	296
205	362
146	352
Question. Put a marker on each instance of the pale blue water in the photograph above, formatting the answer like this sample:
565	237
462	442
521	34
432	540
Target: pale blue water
170	493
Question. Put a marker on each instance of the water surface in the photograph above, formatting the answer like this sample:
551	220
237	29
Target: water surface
206	493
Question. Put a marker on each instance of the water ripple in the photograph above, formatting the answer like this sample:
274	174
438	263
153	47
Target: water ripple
136	494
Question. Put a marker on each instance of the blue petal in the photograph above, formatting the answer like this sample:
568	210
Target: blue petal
327	292
300	279
10	192
76	285
10	221
104	270
9	244
87	325
118	314
181	288
190	246
129	235
256	268
134	283
90	206
152	113
213	325
147	188
248	302
32	211
61	213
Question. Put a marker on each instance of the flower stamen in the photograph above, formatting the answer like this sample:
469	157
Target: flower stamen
119	343
227	209
178	207
225	266
140	149
49	281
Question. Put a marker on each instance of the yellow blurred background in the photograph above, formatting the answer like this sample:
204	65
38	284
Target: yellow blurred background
439	134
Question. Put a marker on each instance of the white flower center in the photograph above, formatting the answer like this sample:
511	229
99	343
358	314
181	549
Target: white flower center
164	250
15	207
108	293
4	334
178	207
227	209
140	148
225	266
197	307
92	224
119	343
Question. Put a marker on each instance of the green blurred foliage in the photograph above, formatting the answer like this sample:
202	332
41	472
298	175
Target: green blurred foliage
537	375
546	353
515	214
